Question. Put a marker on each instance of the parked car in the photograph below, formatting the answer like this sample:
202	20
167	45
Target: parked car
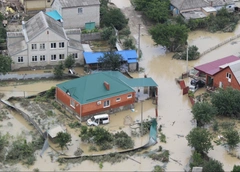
196	84
98	119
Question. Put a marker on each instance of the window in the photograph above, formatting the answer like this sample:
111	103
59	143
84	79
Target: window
34	46
80	10
42	58
106	103
20	59
61	44
42	46
53	57
75	55
129	96
34	58
118	99
72	103
53	45
229	76
61	56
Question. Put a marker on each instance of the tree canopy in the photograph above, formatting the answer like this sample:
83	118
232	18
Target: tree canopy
63	139
110	61
5	64
227	101
200	140
69	62
232	137
203	113
173	36
156	10
59	70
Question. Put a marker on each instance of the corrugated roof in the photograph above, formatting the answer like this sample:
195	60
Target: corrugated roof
78	3
213	67
40	22
90	88
191	4
92	57
75	44
235	67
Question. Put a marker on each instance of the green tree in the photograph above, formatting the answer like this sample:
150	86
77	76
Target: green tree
236	168
69	62
5	64
122	140
227	101
63	139
128	44
200	140
3	142
59	70
197	160
157	10
112	42
232	137
112	17
102	135
213	165
173	36
107	33
110	61
203	113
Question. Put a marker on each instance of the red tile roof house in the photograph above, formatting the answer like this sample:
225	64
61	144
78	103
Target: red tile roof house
103	92
222	73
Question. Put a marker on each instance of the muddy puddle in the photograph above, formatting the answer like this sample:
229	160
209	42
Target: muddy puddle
174	109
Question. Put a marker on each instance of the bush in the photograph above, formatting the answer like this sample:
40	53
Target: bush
122	140
107	33
197	160
232	137
236	168
213	165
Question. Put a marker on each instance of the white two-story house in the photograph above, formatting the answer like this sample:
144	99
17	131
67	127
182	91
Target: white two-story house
78	13
43	42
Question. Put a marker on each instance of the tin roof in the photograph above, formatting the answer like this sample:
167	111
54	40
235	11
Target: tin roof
128	55
90	88
213	67
78	3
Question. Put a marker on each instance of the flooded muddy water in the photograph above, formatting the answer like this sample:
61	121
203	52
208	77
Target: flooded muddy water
174	109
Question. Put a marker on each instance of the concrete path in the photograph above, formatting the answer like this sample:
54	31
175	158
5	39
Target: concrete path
15	76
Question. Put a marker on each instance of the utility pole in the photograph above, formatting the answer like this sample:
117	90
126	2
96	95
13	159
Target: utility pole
141	117
187	58
139	26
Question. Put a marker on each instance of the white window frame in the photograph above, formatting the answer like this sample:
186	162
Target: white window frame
34	46
229	75
118	99
80	10
53	45
34	58
20	59
42	46
42	58
61	45
75	55
129	96
106	103
53	57
61	56
72	103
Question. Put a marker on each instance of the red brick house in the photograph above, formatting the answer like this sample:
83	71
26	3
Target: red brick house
99	92
222	72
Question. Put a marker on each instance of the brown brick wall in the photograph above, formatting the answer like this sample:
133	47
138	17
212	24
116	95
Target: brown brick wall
221	77
93	107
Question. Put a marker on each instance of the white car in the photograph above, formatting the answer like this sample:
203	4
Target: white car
98	119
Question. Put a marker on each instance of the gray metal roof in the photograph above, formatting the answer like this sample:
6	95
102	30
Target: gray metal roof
235	67
17	47
191	4
40	22
75	44
78	3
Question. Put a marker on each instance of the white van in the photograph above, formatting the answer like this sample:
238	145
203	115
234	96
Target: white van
98	119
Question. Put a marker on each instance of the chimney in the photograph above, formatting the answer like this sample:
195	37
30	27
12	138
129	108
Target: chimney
107	86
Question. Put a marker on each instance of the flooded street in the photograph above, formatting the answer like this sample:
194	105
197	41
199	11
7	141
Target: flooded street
174	109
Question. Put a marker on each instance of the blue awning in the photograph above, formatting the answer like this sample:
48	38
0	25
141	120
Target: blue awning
128	55
54	14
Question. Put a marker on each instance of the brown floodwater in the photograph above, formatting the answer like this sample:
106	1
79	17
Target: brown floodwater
174	109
